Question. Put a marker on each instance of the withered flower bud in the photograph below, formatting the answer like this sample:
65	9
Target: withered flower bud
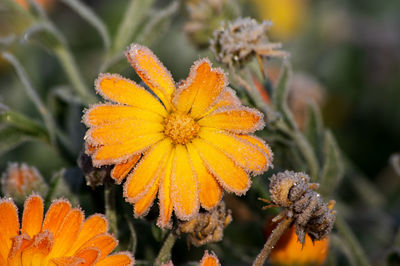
310	213
20	180
206	227
237	42
205	16
94	176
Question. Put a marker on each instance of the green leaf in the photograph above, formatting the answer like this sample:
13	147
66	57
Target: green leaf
314	130
44	35
333	169
280	95
133	17
161	20
24	124
86	13
10	138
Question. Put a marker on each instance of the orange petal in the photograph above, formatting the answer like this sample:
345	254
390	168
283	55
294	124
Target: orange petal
184	185
117	259
66	261
164	195
19	243
108	113
209	259
94	225
9	227
201	89
121	131
145	173
104	242
230	176
237	120
91	255
120	171
259	143
143	205
118	153
121	90
65	237
152	72
35	254
210	191
244	153
32	217
55	215
228	98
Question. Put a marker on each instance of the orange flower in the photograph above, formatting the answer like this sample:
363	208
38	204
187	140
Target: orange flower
62	238
289	251
47	4
209	259
191	140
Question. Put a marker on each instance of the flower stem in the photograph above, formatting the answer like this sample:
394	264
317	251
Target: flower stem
109	199
272	239
165	252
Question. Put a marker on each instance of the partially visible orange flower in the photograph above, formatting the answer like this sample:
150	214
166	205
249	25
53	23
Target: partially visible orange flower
46	4
20	180
191	139
63	237
209	259
289	251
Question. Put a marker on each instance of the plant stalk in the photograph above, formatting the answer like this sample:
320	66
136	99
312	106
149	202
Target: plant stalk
165	252
109	202
272	240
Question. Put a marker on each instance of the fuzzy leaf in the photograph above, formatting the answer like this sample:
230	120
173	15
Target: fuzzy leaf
333	169
24	124
314	130
10	138
44	35
280	95
86	13
156	26
133	17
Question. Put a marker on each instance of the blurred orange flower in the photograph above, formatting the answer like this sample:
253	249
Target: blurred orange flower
289	251
209	259
192	140
62	238
47	4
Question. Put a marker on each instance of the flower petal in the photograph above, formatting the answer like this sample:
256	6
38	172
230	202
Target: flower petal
228	98
9	227
91	255
210	192
67	261
152	72
234	119
164	195
209	259
230	176
67	234
32	217
125	91
104	242
184	185
55	215
94	225
259	143
108	113
143	205
36	253
244	153
145	173
200	90
121	131
118	153
120	171
117	259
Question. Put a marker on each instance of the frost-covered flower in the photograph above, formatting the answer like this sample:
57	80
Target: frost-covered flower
191	139
63	237
209	259
20	180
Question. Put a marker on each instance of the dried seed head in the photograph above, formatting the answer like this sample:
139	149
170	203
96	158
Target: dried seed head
94	176
310	213
20	180
237	42
205	16
206	227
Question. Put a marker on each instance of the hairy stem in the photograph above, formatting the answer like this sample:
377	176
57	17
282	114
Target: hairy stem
109	202
165	252
271	242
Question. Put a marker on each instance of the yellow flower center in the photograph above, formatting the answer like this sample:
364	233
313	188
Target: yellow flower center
180	128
